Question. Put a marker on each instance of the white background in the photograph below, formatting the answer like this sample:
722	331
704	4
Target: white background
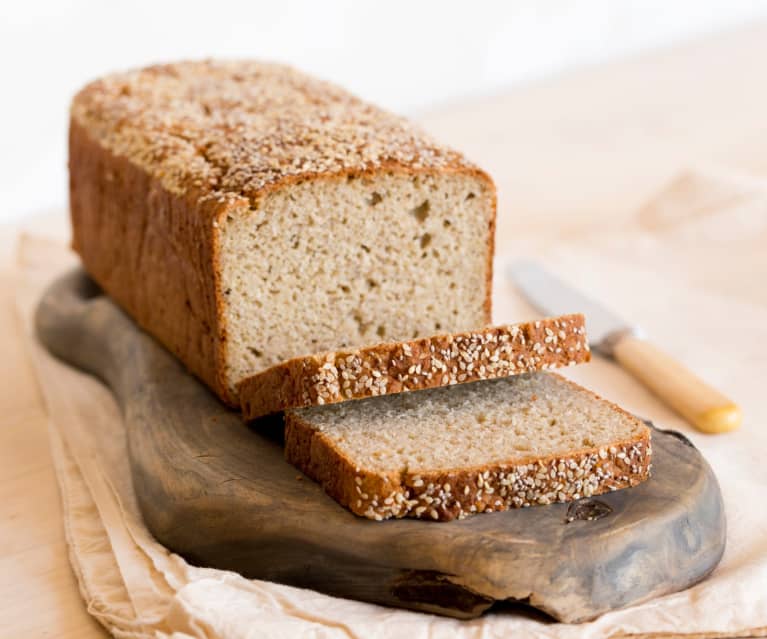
406	55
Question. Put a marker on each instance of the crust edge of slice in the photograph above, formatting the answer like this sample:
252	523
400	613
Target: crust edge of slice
454	493
419	364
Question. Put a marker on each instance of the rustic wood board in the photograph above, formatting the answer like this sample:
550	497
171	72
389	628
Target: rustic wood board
220	494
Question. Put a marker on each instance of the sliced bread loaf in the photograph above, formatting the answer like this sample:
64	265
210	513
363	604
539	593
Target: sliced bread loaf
449	452
395	367
245	213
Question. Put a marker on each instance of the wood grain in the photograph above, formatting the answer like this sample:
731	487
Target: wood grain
222	495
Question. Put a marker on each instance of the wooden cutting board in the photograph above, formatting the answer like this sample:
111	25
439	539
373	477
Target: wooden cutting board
220	494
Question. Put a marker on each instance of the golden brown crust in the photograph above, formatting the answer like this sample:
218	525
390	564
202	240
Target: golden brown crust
158	156
456	493
429	362
490	256
151	250
238	129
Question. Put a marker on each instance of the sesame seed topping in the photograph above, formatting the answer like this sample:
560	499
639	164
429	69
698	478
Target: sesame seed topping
440	360
227	130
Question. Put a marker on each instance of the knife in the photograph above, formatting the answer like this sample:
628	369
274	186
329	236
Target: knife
701	405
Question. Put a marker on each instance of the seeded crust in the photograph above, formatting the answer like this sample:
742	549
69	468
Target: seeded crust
440	360
159	158
455	493
236	129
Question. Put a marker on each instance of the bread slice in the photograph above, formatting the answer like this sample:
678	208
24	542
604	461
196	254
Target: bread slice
245	213
450	452
429	362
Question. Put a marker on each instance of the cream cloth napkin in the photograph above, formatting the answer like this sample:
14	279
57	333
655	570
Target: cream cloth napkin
691	269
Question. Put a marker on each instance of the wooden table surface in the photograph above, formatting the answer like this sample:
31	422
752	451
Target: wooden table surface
575	149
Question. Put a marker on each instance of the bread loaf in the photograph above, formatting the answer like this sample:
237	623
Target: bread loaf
440	360
245	213
453	451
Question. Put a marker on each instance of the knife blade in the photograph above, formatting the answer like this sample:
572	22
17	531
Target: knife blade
552	296
703	406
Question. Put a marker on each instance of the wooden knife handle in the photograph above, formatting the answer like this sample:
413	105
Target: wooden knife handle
704	407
